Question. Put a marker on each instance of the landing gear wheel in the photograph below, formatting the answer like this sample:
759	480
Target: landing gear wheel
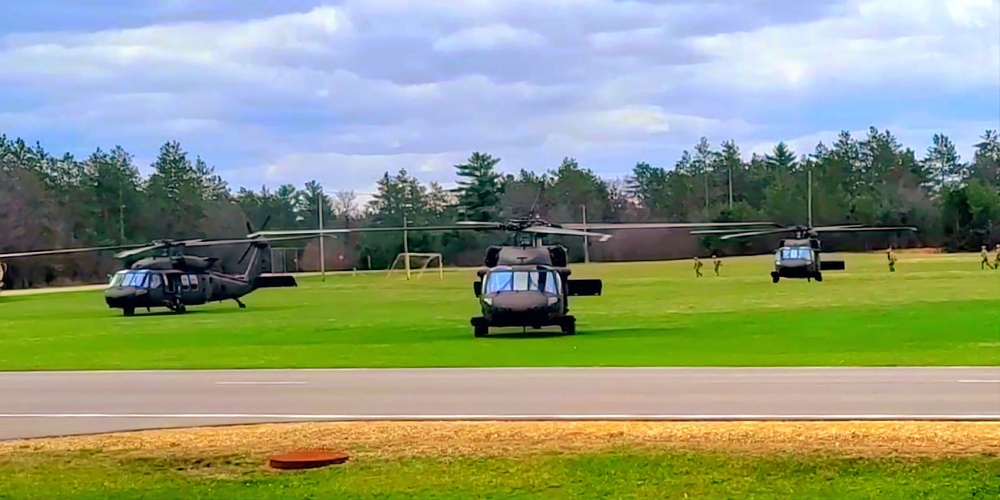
775	277
481	330
569	327
819	277
128	311
180	309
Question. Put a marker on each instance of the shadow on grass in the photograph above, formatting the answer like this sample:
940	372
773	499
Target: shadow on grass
197	310
552	332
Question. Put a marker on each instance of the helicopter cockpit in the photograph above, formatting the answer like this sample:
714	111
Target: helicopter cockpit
794	253
503	281
136	279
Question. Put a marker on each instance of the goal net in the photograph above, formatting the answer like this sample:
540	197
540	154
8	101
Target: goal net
415	262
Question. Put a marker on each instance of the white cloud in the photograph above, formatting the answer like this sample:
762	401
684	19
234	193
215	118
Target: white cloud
488	37
929	43
342	93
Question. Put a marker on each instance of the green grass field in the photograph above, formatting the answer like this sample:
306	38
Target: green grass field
626	474
935	310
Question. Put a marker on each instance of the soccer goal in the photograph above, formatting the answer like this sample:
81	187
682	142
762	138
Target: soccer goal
408	259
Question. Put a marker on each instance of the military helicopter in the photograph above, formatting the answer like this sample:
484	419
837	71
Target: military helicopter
799	257
176	281
525	283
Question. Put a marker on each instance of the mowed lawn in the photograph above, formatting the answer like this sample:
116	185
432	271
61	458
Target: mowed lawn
624	474
934	310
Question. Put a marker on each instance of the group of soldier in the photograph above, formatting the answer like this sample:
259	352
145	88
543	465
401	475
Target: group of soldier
715	262
890	255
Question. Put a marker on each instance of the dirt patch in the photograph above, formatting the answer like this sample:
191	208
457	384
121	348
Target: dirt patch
443	439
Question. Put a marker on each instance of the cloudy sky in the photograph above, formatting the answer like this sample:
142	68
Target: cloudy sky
282	91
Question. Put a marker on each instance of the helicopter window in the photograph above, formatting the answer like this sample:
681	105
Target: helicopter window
154	281
796	253
137	279
194	282
117	279
185	284
521	281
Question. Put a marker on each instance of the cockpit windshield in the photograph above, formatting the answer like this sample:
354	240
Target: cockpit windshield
546	282
137	279
796	253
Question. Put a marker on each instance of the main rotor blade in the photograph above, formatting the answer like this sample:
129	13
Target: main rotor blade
756	233
137	251
35	253
845	229
660	225
317	232
565	232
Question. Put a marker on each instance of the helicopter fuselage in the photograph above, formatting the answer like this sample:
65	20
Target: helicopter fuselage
800	259
528	295
180	281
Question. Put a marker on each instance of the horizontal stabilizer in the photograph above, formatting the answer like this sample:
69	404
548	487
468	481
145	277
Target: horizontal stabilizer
584	288
832	265
276	281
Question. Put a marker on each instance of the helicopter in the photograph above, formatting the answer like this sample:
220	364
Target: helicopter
525	283
175	281
799	257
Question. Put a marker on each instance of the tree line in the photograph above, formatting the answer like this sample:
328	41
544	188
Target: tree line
57	201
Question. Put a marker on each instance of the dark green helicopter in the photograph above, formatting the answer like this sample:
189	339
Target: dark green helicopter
175	281
526	283
799	257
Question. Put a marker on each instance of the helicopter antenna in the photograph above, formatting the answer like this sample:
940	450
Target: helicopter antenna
534	204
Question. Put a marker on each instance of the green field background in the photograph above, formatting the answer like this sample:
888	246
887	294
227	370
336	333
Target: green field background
934	310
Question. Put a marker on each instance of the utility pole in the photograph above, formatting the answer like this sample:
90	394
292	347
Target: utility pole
809	195
121	210
322	237
730	186
406	243
586	239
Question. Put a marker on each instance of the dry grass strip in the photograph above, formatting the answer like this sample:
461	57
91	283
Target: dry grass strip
484	439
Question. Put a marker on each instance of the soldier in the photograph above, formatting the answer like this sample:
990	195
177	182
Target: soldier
697	267
986	259
892	260
717	263
996	258
3	271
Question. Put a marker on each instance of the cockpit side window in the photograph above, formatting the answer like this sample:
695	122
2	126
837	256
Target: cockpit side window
117	280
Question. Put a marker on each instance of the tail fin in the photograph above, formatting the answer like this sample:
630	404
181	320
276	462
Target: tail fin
260	255
259	262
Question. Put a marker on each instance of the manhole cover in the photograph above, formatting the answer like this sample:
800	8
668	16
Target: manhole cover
307	459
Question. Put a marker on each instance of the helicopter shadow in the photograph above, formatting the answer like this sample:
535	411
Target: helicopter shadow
531	333
205	312
615	333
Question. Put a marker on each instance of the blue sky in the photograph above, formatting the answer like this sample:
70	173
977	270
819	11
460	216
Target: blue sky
273	92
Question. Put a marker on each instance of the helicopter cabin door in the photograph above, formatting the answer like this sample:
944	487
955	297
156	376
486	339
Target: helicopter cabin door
192	290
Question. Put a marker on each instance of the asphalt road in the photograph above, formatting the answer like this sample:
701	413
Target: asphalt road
35	404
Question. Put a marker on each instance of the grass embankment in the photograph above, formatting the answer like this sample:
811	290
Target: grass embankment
935	310
521	460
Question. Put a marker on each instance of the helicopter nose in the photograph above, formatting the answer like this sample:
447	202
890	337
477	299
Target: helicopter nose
520	301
